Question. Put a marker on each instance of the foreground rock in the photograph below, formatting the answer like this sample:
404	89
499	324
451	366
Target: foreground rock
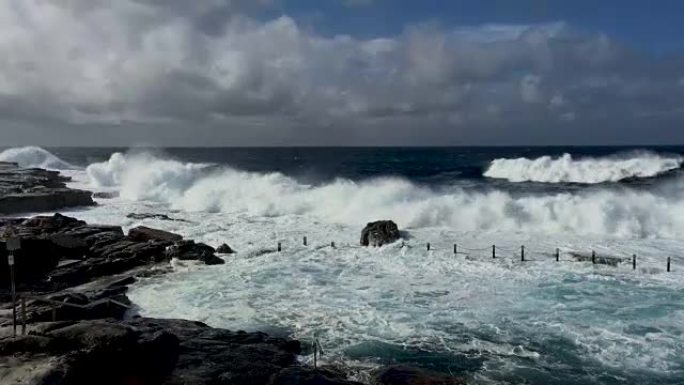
151	351
409	375
379	233
35	190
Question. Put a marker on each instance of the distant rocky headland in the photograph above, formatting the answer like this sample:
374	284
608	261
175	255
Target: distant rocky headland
24	190
80	327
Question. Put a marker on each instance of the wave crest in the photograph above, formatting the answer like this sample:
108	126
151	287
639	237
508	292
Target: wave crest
194	187
566	169
31	156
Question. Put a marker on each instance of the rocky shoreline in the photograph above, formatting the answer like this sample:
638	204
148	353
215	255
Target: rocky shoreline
24	190
81	328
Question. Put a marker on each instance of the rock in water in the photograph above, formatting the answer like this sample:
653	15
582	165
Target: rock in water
408	375
189	250
142	234
225	249
379	233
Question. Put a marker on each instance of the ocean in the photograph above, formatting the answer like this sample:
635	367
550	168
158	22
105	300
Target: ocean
451	306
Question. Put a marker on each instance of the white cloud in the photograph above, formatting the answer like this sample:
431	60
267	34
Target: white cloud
135	61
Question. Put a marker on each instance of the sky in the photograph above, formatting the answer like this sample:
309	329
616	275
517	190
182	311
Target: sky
341	72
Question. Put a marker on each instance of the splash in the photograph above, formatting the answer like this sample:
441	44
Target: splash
191	187
32	156
566	169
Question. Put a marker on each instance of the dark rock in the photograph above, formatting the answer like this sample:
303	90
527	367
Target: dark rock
51	224
151	351
189	250
225	249
408	375
44	200
143	234
379	233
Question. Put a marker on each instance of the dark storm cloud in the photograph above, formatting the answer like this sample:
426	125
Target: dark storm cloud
160	70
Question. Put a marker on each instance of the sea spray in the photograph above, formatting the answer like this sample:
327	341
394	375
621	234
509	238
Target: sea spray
658	212
32	156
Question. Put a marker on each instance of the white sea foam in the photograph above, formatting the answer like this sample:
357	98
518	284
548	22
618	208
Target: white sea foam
34	157
566	169
191	187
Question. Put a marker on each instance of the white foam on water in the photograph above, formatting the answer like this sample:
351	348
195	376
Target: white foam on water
518	316
658	212
566	169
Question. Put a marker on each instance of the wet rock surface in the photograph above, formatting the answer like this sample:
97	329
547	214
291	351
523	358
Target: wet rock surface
145	351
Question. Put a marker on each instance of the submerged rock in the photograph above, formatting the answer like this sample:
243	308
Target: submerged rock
379	233
225	249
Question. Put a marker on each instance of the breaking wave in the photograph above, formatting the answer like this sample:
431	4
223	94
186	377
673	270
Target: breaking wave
31	156
566	169
196	188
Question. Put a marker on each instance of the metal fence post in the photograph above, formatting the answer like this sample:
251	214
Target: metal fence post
557	255
493	251
522	253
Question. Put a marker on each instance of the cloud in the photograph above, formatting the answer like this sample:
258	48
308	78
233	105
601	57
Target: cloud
205	63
